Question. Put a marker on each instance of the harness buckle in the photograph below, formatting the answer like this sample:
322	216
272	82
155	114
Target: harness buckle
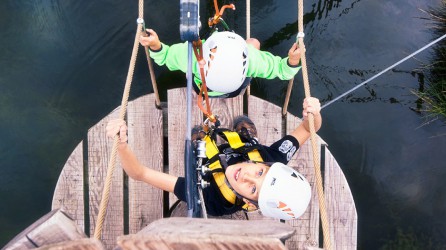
201	149
213	119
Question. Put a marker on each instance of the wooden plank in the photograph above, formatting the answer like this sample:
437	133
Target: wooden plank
307	226
145	137
82	244
268	120
219	227
56	226
343	219
227	109
180	210
69	191
177	130
208	234
180	242
99	153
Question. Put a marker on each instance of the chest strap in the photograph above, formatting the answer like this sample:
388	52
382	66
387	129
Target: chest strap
235	142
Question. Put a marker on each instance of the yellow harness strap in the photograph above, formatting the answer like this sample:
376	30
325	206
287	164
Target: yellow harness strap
235	142
219	177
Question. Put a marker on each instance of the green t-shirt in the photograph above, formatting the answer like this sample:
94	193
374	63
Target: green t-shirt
261	64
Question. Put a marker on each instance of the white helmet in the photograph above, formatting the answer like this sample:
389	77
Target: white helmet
226	56
285	193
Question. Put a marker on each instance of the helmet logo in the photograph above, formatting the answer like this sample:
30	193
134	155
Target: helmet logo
284	208
296	175
273	182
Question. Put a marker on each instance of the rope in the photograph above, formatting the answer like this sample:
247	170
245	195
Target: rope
385	70
320	191
150	64
288	91
287	97
152	77
112	162
248	35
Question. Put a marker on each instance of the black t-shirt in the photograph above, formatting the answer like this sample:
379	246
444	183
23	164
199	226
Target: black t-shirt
216	204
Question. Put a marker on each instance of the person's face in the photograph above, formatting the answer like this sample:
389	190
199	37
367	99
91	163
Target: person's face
246	178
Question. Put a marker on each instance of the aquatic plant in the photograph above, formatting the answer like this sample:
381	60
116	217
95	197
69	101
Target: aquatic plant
433	95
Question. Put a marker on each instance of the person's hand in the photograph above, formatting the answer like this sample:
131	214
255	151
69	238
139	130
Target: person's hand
117	126
152	40
311	105
294	55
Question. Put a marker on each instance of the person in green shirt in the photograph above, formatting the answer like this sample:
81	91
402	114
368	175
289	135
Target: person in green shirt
229	61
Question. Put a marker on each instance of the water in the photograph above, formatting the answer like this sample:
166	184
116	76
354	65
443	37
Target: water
63	67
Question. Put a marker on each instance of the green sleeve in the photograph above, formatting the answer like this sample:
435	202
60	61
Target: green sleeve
174	57
263	64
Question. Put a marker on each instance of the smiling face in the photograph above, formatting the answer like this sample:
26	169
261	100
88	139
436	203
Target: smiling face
246	178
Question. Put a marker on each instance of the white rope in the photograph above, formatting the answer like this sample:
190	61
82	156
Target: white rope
384	71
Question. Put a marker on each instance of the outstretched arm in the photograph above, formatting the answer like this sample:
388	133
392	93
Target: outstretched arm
263	64
132	166
302	132
175	57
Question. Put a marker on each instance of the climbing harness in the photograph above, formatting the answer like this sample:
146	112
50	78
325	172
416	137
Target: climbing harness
212	158
385	70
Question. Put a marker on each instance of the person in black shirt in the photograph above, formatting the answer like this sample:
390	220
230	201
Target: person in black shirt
276	189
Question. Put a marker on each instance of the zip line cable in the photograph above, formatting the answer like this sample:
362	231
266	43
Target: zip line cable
385	70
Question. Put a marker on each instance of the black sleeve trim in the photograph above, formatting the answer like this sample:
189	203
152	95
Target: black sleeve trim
180	189
291	66
158	50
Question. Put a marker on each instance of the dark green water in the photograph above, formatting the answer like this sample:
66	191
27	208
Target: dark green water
63	66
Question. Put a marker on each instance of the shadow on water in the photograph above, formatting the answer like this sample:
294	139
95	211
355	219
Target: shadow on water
63	67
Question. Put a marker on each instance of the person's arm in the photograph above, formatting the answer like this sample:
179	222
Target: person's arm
132	166
175	57
264	64
302	132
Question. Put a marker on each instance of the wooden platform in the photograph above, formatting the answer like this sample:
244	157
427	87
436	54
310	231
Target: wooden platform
157	137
